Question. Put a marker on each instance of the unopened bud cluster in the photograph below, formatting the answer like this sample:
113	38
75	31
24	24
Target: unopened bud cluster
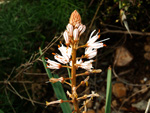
72	35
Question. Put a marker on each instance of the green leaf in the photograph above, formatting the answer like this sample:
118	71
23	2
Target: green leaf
1	111
58	89
108	92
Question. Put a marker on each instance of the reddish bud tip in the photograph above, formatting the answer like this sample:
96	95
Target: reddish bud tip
75	18
46	58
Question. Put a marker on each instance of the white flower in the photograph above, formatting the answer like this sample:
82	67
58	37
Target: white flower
65	51
77	62
66	54
61	59
86	65
53	65
92	41
96	45
94	38
90	52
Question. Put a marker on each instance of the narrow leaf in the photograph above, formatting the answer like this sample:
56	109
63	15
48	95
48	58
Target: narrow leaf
108	92
58	89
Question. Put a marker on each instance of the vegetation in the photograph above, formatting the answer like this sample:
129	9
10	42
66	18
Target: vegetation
27	25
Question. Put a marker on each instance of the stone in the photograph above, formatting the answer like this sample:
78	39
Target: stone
91	111
122	57
140	105
114	103
119	90
147	56
147	48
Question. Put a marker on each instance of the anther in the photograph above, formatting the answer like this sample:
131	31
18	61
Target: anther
54	53
104	45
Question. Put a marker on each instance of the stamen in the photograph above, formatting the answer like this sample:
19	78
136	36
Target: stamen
58	46
104	40
104	45
99	36
99	31
46	58
54	53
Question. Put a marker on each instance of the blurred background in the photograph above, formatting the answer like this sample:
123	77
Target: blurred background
27	25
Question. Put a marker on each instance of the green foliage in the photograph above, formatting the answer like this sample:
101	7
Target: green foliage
1	111
59	91
108	92
24	23
24	26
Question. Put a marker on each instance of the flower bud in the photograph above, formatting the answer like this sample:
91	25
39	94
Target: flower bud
75	19
70	29
75	34
66	37
81	29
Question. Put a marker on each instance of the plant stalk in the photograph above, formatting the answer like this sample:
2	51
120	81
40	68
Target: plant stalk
73	75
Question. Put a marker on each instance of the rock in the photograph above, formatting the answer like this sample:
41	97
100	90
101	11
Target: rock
91	111
123	57
117	112
100	111
114	103
103	109
119	90
147	48
147	56
140	105
148	82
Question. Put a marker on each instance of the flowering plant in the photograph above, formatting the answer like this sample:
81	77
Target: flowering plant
68	59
